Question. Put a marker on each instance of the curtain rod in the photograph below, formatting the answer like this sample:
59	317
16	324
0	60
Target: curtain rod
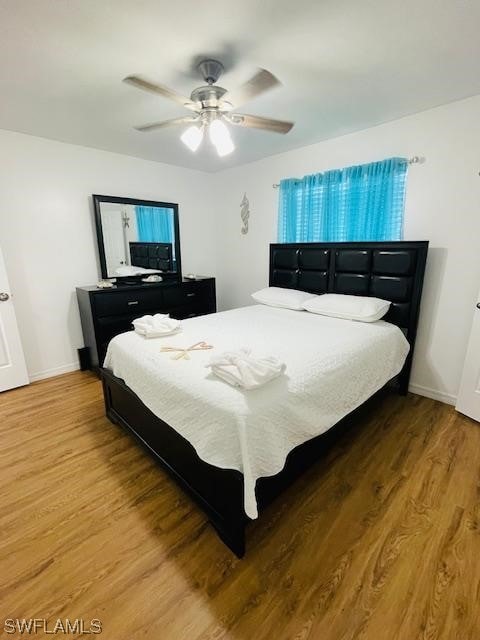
412	160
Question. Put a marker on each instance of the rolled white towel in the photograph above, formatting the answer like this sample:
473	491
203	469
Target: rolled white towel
156	326
241	369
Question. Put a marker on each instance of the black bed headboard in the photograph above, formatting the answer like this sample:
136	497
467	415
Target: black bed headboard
390	270
152	255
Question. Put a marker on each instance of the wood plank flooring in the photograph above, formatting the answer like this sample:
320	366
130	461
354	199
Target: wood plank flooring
380	540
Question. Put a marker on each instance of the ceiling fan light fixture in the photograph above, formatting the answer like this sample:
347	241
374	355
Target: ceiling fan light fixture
220	137
225	148
213	106
192	137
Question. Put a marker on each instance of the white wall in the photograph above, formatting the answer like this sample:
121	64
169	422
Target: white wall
49	244
48	238
443	206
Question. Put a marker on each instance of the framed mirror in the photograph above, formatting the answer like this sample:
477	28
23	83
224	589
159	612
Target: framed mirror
137	237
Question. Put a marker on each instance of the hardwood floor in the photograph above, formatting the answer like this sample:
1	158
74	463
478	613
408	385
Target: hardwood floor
380	540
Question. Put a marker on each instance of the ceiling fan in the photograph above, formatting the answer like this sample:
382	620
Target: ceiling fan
212	107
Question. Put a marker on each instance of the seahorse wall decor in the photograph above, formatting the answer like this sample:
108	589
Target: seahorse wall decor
245	213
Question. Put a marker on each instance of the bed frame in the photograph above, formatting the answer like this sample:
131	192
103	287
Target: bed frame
390	270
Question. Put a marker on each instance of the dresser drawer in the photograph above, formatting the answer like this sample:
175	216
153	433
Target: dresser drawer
190	293
126	302
190	311
110	326
182	313
107	328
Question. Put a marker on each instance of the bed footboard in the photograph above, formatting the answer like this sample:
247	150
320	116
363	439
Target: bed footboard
218	492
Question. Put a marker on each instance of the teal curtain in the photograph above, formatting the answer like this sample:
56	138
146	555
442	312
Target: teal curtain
155	224
360	203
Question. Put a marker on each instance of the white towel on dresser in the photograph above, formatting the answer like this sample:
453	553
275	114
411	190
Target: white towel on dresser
241	369
155	326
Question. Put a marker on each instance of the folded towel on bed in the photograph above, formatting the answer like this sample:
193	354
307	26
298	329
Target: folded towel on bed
241	369
155	326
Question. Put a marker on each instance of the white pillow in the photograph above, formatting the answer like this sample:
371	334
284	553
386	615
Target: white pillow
358	308
285	298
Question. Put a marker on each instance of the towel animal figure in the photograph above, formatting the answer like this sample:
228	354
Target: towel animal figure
156	326
242	369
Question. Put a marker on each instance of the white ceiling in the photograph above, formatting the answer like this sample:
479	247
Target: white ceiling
345	65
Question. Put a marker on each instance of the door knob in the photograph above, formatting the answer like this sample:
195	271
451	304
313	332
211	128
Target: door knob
478	305
4	297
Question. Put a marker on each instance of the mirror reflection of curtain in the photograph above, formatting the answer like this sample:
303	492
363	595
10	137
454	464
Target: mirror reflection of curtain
155	224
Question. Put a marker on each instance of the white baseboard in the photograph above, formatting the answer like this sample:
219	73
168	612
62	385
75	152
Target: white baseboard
55	371
434	394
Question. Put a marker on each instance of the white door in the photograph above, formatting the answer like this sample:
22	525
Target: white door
13	372
469	395
113	240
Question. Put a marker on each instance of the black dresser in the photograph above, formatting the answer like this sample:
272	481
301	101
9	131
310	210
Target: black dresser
104	313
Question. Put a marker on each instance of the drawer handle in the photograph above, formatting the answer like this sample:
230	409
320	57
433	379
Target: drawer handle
190	295
133	302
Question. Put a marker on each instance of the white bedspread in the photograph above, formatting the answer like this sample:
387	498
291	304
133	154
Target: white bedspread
333	366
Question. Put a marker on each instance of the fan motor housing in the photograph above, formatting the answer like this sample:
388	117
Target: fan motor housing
208	96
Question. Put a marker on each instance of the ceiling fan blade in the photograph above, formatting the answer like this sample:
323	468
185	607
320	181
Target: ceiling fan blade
262	81
159	89
255	122
166	123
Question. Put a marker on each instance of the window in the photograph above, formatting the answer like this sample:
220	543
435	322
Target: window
361	203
